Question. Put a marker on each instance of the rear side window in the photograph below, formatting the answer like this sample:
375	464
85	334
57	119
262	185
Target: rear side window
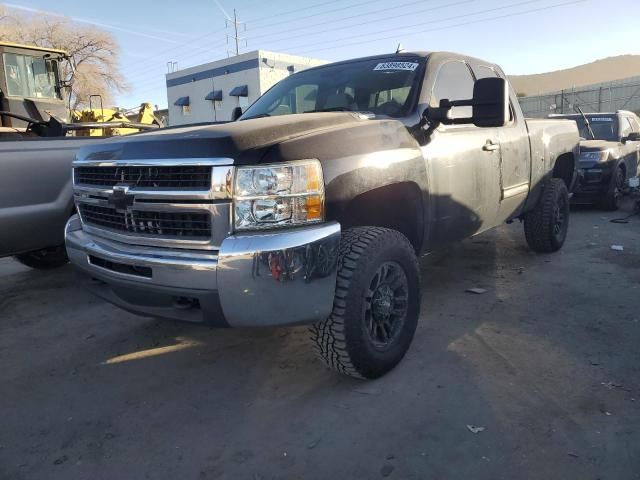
635	127
625	127
454	82
485	72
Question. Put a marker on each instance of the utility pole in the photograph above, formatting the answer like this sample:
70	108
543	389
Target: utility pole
236	38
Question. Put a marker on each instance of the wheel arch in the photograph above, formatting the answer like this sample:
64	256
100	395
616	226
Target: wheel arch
398	206
564	168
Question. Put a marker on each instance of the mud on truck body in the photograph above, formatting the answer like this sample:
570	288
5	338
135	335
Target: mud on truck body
314	207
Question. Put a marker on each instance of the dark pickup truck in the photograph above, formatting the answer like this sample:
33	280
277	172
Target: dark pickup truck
609	156
315	206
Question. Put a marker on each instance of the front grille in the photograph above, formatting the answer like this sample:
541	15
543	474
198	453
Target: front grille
177	177
183	225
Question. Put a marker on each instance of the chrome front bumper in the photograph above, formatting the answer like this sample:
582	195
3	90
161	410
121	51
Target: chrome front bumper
255	279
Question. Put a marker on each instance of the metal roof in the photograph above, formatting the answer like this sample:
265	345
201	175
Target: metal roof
32	47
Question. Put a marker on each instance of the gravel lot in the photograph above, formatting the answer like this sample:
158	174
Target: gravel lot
547	361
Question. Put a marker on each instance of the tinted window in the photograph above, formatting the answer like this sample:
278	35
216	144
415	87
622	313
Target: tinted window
605	127
454	82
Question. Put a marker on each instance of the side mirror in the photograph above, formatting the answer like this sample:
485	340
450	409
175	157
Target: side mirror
236	114
490	102
490	105
633	137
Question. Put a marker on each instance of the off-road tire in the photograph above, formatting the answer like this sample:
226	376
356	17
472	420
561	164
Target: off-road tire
540	223
343	341
611	200
45	259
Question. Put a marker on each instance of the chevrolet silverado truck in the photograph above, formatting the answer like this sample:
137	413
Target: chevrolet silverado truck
314	207
609	156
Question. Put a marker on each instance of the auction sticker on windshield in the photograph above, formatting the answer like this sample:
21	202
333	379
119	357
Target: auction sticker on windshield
410	66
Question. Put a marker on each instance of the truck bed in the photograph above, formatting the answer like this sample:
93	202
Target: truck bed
36	195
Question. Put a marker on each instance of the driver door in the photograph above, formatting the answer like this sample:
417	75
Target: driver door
463	162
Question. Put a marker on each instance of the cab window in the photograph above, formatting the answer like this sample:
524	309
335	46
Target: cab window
635	127
454	82
625	127
485	72
482	71
30	77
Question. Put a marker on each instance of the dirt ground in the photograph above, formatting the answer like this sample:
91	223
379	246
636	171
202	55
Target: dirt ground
547	361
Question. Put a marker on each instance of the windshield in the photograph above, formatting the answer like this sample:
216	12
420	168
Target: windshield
376	86
604	127
30	77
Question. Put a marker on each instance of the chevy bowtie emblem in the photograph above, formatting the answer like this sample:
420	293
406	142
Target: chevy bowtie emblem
120	199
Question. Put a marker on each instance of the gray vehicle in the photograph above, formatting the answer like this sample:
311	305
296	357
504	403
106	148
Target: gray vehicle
315	206
36	197
609	156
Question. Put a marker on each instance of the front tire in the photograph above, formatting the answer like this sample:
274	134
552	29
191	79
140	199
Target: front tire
545	227
376	305
611	200
45	259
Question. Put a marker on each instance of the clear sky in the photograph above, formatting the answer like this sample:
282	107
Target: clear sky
523	36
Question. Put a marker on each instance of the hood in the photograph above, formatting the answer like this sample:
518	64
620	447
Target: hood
597	145
244	141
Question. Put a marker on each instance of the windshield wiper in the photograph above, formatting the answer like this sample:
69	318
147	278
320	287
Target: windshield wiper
586	122
330	109
259	115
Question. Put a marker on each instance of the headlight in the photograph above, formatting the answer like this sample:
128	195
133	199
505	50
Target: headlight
593	156
284	194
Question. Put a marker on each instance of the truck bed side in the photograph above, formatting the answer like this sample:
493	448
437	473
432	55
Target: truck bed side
36	194
551	140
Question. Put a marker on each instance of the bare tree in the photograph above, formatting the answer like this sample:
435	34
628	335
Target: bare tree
93	53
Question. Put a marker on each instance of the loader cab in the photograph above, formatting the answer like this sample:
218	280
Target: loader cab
30	84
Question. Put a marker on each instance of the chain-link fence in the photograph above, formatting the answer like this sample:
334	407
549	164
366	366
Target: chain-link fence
603	97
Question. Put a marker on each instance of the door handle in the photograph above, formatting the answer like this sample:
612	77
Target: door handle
490	146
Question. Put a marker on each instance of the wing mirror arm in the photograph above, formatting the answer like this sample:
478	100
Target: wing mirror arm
490	105
440	114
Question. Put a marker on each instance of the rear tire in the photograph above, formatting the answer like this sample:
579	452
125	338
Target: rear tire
45	259
376	305
611	201
545	227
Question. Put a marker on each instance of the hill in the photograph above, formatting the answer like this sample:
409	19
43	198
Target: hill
604	70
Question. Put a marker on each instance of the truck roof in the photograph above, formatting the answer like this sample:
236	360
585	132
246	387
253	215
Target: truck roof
401	55
32	47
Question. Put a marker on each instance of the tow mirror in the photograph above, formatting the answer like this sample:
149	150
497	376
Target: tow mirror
490	105
236	114
633	137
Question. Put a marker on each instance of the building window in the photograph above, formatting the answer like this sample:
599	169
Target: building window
243	102
186	110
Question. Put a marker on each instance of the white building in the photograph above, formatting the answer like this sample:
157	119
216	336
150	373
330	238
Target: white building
210	92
